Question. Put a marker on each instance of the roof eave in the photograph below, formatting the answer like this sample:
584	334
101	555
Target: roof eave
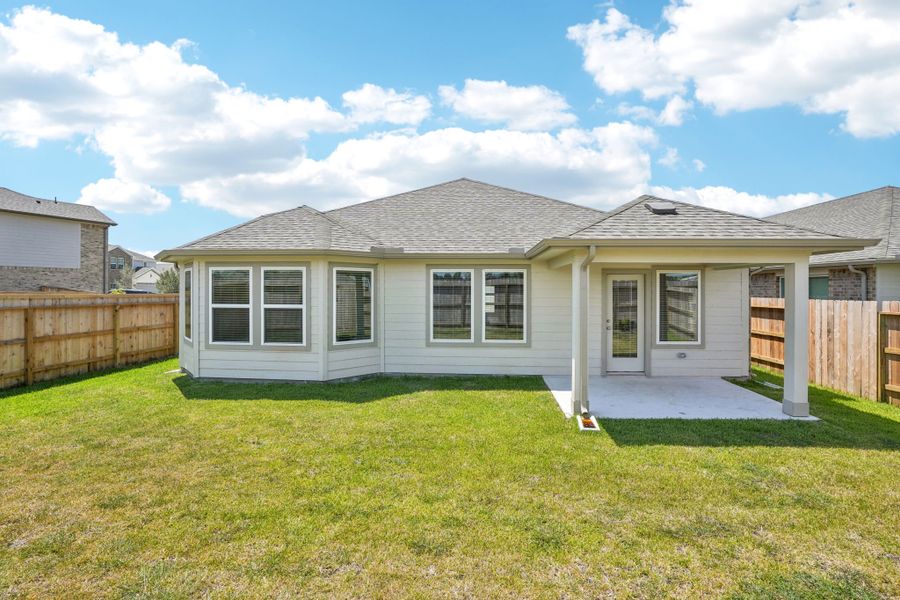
817	246
176	254
109	222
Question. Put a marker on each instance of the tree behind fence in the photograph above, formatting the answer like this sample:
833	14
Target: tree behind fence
44	336
850	344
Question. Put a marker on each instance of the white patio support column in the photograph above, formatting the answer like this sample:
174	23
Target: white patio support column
796	338
580	301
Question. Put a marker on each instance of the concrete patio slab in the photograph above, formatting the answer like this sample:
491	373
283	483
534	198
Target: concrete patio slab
640	397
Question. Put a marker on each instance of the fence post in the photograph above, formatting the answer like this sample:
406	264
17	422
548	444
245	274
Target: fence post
116	337
175	336
29	344
882	358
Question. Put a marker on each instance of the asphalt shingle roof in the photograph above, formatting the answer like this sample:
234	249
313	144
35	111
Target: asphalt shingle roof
465	216
874	214
131	253
302	228
11	201
635	221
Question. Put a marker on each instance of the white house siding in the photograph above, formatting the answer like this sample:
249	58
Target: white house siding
237	362
550	348
28	241
887	282
726	330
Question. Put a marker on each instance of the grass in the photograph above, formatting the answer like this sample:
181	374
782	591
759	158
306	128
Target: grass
147	484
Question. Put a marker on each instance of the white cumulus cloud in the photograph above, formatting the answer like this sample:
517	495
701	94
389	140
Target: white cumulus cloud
124	196
834	56
371	103
726	198
532	107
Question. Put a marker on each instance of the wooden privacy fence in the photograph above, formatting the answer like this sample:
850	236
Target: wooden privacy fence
44	336
854	346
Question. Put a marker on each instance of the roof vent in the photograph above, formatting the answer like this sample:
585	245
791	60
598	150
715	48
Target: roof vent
661	208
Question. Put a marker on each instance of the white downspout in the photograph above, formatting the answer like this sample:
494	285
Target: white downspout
863	281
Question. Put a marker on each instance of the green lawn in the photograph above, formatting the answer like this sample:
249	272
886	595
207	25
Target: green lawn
142	483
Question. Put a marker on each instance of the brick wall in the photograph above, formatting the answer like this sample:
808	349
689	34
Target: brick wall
844	285
764	285
88	278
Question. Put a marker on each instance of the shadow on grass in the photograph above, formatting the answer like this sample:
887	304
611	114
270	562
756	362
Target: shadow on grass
845	422
70	379
364	390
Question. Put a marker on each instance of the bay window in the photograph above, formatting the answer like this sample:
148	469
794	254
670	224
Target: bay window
352	302
678	307
229	309
283	305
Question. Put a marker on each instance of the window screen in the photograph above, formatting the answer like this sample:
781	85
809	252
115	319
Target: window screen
187	303
230	306
504	306
283	306
352	305
679	307
451	305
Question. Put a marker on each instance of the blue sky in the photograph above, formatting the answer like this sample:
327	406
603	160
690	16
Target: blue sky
774	113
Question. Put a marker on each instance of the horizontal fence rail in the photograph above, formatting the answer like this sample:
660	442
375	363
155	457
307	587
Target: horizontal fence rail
854	346
49	335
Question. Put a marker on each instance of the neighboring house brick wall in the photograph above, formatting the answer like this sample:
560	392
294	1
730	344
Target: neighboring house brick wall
844	285
764	285
115	274
88	278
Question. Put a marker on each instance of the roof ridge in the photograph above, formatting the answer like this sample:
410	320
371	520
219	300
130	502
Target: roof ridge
618	210
238	226
346	226
648	197
893	189
428	187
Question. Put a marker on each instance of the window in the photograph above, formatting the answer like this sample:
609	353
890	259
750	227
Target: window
283	305
451	305
186	298
504	305
113	263
818	287
121	261
352	299
678	307
230	305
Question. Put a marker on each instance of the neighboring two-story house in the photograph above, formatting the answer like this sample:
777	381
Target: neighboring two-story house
869	274
125	263
51	245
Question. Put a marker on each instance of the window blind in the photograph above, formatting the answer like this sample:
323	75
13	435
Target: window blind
504	306
451	305
283	306
352	305
230	305
679	307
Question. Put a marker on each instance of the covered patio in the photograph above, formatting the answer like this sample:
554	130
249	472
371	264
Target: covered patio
642	397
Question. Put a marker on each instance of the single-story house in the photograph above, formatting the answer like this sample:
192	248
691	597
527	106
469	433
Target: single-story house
46	244
470	278
872	273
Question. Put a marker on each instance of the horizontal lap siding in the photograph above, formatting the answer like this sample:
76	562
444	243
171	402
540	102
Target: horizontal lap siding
258	363
549	352
726	330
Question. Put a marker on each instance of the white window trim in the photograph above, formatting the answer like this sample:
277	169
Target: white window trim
264	306
699	341
334	339
431	337
248	306
188	273
524	272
